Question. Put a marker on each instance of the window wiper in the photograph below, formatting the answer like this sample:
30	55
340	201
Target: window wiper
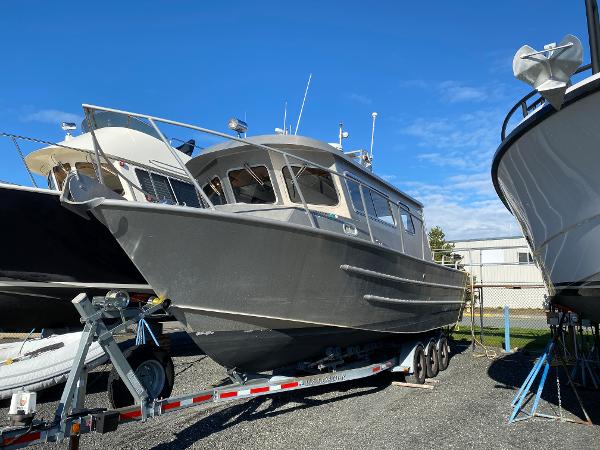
253	175
301	171
214	188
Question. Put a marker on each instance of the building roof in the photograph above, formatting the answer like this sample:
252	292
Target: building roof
487	239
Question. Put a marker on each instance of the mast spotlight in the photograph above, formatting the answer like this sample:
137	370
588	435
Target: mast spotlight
68	127
237	125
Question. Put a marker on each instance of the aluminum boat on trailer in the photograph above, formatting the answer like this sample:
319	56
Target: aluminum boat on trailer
545	170
299	248
53	254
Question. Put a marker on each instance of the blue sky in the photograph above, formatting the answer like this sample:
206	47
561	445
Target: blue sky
438	73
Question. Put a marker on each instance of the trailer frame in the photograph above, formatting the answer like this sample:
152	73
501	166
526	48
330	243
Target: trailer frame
72	420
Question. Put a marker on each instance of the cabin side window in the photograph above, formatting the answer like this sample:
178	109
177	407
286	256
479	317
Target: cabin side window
383	209
354	189
316	185
214	191
60	173
252	185
378	205
407	219
186	193
110	179
167	190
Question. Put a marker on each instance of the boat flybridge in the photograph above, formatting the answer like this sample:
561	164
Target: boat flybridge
55	254
296	248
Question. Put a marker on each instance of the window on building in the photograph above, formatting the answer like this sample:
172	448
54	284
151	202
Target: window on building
316	184
525	258
252	185
214	191
492	256
407	219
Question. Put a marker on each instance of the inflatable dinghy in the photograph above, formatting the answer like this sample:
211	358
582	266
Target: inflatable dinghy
41	363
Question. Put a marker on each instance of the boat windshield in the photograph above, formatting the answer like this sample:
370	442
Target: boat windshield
316	184
252	185
214	191
105	119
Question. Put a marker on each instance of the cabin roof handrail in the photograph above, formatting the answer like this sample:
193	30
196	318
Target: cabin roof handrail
231	138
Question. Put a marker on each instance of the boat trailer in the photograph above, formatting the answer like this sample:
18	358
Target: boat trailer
71	419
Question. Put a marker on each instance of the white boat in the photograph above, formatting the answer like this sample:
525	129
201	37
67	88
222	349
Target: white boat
55	254
546	169
40	363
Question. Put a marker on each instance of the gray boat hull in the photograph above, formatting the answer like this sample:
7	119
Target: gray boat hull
237	275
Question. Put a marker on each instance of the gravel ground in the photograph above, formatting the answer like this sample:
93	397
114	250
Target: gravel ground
468	408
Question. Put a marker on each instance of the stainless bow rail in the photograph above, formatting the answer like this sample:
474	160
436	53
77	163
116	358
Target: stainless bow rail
527	108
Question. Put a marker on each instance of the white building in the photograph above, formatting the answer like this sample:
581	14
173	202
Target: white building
505	270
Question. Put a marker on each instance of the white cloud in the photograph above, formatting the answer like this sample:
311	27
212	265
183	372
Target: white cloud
52	116
452	91
363	99
467	141
465	206
482	219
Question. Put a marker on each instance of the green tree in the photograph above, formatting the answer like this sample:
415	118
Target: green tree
439	246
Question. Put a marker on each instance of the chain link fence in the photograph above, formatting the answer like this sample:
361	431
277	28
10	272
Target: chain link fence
512	317
507	299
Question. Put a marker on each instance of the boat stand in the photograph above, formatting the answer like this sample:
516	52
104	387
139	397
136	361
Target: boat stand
71	420
552	354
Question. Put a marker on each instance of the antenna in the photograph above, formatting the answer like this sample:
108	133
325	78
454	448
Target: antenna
303	100
342	135
374	116
284	116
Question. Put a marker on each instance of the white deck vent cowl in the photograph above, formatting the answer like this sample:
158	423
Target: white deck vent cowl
550	74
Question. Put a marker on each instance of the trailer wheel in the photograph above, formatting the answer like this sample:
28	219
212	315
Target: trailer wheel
443	352
433	364
154	369
419	366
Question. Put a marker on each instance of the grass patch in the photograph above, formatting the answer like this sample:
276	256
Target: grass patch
521	338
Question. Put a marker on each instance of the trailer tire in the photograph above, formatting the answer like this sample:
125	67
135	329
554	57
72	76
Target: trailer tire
443	352
154	369
419	367
433	363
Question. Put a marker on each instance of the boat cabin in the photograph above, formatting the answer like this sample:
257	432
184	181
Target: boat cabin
284	180
141	168
243	178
